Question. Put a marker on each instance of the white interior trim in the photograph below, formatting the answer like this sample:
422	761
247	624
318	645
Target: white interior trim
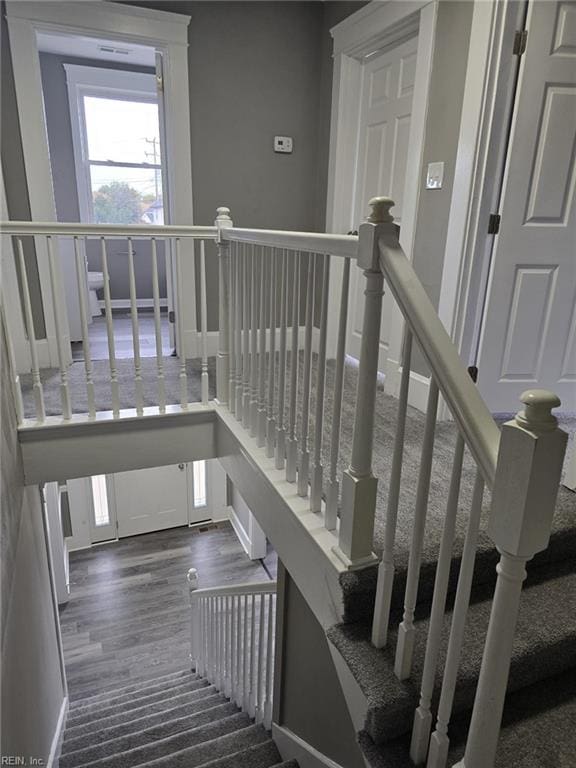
376	26
56	746
292	747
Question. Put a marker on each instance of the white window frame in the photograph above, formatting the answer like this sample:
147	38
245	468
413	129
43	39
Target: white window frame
109	84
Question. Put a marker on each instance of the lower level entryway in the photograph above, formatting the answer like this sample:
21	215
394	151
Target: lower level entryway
127	617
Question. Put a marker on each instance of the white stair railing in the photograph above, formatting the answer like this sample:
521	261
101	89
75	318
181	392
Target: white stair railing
233	642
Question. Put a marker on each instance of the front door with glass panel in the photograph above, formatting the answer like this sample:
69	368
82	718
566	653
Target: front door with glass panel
386	107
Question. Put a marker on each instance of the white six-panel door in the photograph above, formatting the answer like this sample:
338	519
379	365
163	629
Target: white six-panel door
529	328
387	88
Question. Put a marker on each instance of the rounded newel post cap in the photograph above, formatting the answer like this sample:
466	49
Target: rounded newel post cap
223	213
381	210
192	578
537	413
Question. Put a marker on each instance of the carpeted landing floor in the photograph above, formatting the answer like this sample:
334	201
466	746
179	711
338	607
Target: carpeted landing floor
174	721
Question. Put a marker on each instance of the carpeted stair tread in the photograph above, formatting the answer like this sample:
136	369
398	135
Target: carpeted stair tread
85	735
134	714
287	764
263	755
537	730
545	645
213	733
99	747
210	751
136	699
150	685
99	711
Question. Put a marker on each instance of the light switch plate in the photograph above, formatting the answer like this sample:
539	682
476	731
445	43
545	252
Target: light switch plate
435	176
283	144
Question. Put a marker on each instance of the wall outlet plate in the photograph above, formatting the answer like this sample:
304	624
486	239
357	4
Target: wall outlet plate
283	144
435	176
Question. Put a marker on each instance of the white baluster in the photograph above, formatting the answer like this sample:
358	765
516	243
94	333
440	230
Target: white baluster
269	664
407	630
135	332
221	643
292	445
318	470
245	657
271	421
240	274
223	221
333	485
359	484
231	327
32	343
530	462
158	330
304	459
386	568
253	642
14	377
280	431
439	741
239	651
200	669
81	286
255	276
229	637
264	274
233	643
248	258
110	332
204	322
59	327
423	716
181	340
260	662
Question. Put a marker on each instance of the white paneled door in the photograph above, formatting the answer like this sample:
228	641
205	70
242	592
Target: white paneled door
386	107
529	328
149	500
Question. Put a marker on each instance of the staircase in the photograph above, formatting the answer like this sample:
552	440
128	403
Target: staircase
174	720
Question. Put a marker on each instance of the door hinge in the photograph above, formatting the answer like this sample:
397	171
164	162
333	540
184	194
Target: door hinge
520	38
494	224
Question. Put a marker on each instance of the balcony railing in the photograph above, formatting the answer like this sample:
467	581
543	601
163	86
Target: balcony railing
280	374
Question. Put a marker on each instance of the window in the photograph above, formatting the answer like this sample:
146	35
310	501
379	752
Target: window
100	497
116	131
199	483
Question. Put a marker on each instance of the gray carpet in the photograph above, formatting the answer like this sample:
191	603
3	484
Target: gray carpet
174	720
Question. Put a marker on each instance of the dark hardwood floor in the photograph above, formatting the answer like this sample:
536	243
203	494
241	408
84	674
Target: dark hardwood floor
128	616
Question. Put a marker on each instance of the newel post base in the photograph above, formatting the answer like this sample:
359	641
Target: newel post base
528	471
192	579
223	221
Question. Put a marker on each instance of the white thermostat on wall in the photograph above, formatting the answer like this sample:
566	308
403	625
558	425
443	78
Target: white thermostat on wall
435	176
283	144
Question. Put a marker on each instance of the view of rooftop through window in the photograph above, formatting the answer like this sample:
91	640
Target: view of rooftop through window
124	159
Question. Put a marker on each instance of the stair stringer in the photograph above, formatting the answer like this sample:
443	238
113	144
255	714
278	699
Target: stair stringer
298	535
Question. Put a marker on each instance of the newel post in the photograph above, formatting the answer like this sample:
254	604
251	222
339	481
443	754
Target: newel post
223	221
192	579
358	482
530	460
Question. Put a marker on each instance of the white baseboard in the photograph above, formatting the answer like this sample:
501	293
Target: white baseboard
56	746
125	303
292	747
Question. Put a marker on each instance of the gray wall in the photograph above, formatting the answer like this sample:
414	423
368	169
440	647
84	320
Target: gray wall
441	144
32	689
59	127
308	697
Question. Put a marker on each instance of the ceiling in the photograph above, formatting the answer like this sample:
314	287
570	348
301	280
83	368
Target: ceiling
96	48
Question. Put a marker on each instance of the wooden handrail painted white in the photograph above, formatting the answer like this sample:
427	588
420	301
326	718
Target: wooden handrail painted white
68	229
345	246
252	588
469	410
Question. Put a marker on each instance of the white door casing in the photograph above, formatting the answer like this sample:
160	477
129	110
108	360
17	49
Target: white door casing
376	27
529	328
165	31
384	134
